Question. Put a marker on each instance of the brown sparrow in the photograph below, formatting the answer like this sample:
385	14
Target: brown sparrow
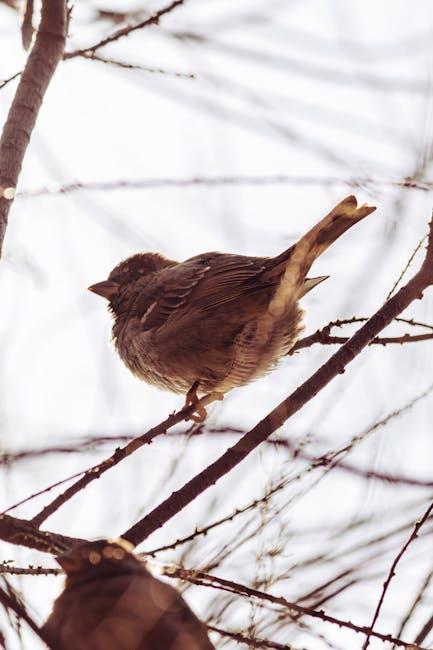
112	602
216	321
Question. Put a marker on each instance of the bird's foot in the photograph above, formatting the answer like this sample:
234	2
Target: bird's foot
200	414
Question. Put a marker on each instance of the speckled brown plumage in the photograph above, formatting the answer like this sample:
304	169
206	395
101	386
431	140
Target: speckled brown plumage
112	602
218	319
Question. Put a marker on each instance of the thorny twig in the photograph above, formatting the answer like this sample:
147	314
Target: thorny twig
125	31
205	579
392	570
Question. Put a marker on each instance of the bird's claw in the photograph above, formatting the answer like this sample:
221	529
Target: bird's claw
200	414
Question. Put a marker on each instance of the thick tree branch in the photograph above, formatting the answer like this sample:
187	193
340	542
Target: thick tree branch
334	366
41	64
24	533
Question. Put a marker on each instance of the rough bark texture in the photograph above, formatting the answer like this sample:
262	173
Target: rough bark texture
41	64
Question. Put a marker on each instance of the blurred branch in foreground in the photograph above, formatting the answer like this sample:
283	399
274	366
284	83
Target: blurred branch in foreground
275	179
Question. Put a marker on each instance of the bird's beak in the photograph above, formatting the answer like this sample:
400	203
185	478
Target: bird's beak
107	289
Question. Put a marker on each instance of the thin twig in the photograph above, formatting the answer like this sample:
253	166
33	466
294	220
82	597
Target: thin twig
40	492
404	270
426	629
9	601
120	454
136	66
207	580
392	571
6	81
324	338
251	642
419	598
217	181
28	571
125	31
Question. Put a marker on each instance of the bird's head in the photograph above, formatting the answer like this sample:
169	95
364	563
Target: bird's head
100	555
127	277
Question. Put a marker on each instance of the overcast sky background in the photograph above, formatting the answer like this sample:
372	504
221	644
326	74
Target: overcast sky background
309	90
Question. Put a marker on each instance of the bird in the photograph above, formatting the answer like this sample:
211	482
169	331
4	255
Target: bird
112	602
216	321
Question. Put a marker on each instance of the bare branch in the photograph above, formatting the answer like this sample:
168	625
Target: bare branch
251	642
6	81
10	601
137	66
426	629
409	262
217	181
323	335
325	339
125	31
418	600
9	569
392	570
205	579
27	30
41	64
24	533
120	454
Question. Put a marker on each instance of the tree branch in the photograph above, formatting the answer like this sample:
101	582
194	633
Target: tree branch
209	580
334	366
322	337
393	568
41	64
125	31
218	181
252	642
24	533
10	601
120	454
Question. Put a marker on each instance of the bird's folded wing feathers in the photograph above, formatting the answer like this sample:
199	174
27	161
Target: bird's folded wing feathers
210	280
206	282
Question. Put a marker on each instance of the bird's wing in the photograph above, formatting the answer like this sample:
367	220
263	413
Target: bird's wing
203	283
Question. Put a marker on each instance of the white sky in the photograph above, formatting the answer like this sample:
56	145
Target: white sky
300	94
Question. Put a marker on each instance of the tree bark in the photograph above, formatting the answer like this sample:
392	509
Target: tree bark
46	53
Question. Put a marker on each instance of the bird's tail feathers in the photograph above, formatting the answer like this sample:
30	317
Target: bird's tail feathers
294	264
345	215
310	283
